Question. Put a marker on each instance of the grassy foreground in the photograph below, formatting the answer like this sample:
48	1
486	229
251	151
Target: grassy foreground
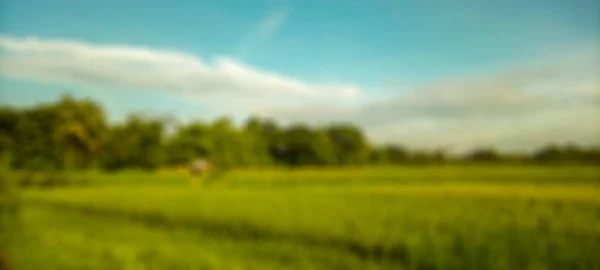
455	217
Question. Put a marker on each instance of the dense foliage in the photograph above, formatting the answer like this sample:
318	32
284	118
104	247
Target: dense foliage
75	134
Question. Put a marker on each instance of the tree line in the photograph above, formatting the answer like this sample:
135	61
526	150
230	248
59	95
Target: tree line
75	134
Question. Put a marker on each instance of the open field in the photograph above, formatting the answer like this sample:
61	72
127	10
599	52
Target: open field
448	217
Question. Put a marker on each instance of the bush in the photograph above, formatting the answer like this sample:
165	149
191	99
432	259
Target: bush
26	180
50	180
46	180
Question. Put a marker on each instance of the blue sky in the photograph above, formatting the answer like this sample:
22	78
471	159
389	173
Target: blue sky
381	51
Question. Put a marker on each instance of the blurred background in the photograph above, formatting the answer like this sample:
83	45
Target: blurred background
341	134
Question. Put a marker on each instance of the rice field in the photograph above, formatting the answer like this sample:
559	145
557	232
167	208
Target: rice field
445	217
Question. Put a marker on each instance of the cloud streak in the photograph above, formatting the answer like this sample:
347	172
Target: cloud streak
77	62
262	31
270	24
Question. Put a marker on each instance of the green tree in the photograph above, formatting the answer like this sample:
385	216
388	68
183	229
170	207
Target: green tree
223	138
80	131
189	142
389	154
349	144
378	155
9	118
138	143
256	132
567	154
303	146
35	144
484	155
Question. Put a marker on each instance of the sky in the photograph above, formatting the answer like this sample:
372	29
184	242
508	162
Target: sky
459	74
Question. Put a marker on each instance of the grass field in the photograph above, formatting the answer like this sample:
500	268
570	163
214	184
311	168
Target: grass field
446	217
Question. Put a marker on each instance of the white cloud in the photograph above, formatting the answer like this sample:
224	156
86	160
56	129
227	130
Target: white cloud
556	99
136	67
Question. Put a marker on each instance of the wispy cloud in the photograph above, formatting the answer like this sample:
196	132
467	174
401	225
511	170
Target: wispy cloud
555	99
270	24
262	31
78	62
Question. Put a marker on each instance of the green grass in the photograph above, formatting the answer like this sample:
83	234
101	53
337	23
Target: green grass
76	241
452	217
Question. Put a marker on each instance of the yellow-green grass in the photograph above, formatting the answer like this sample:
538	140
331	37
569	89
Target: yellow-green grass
56	239
271	178
408	218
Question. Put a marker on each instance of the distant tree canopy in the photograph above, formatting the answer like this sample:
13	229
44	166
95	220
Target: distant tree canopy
484	155
74	134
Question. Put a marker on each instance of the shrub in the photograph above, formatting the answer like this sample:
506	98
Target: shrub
26	180
46	180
